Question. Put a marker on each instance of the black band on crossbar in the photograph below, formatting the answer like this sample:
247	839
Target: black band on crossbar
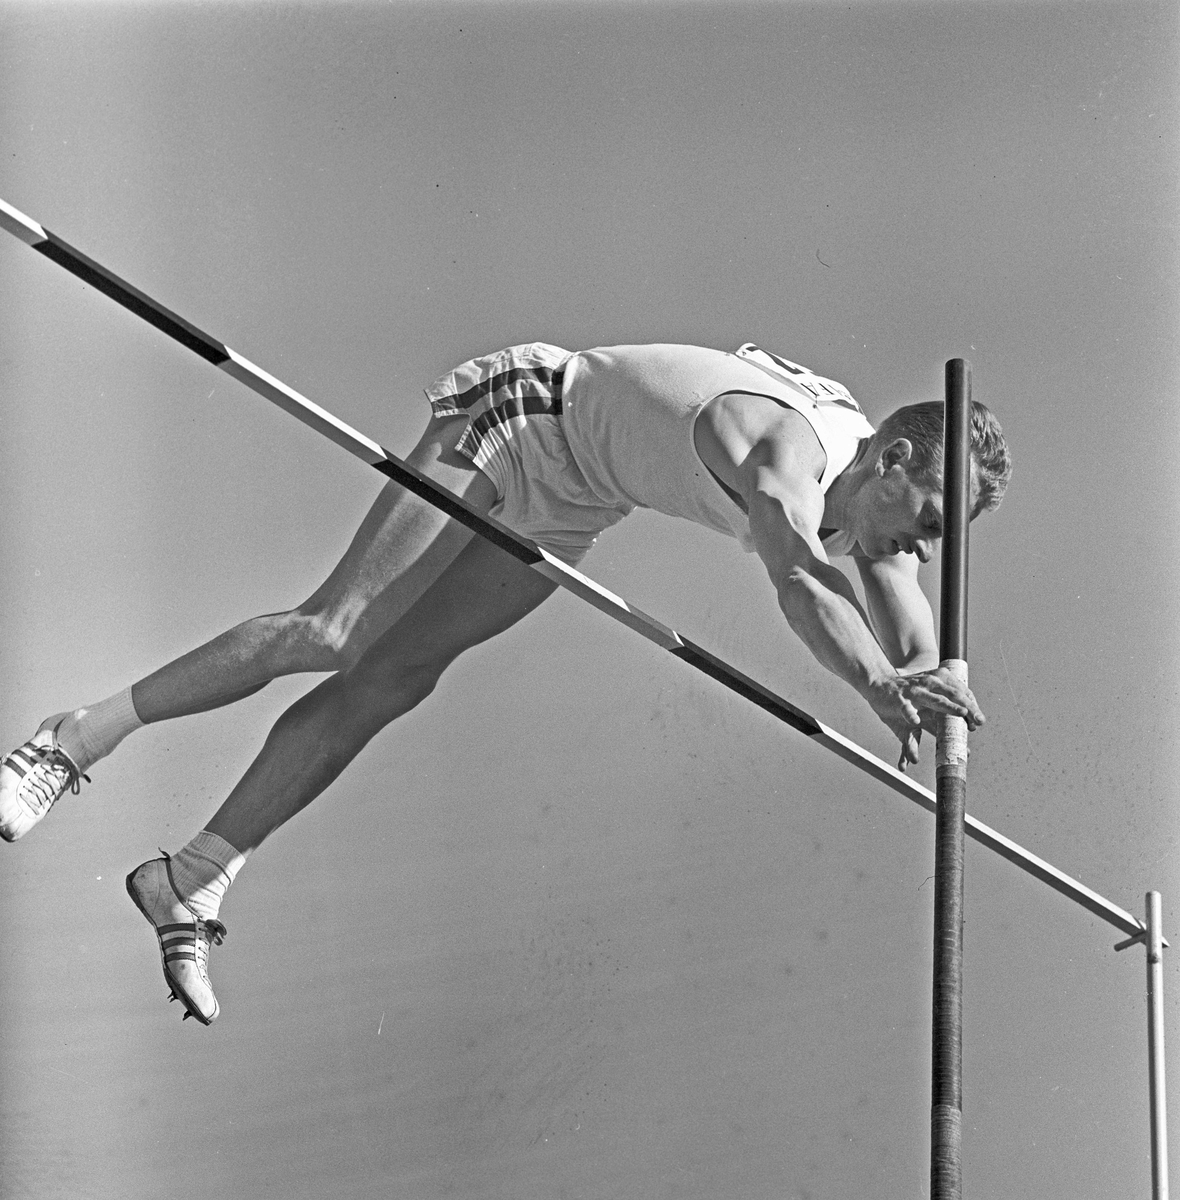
455	506
143	306
733	679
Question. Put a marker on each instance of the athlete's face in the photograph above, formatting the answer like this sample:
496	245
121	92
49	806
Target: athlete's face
899	514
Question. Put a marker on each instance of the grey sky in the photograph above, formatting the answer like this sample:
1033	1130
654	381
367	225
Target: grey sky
621	935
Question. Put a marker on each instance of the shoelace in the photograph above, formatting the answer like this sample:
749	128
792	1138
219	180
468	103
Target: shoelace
53	774
208	933
205	933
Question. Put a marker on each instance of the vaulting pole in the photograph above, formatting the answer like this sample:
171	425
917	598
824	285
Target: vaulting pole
946	1108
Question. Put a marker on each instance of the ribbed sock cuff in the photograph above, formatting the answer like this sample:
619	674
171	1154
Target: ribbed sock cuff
89	734
203	870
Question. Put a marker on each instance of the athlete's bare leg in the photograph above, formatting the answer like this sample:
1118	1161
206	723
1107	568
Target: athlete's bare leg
400	549
481	593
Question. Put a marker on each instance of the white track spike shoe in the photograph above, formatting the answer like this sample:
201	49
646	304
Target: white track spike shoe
184	938
33	778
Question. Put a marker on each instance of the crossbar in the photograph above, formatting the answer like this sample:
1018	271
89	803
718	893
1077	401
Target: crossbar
528	552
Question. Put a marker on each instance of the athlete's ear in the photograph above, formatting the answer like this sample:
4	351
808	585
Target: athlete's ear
899	453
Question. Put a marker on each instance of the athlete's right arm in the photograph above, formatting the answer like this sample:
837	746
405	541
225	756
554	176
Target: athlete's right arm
786	510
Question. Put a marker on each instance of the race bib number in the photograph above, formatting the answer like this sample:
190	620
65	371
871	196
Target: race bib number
807	383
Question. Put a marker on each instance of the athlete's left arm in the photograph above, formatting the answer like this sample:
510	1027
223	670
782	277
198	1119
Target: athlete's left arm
899	612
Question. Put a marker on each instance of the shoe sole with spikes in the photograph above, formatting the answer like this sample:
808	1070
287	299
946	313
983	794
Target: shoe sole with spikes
184	938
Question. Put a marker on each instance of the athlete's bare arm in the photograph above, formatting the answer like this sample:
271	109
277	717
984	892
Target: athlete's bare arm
772	458
899	612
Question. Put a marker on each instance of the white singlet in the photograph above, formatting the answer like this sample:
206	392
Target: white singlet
629	411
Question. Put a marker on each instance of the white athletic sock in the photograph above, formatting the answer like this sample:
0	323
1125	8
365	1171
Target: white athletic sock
89	734
203	870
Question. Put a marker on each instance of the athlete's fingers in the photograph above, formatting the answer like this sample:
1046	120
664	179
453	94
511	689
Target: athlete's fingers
909	749
956	702
951	688
931	713
942	680
937	702
911	744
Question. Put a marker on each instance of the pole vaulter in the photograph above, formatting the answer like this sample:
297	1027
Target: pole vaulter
526	551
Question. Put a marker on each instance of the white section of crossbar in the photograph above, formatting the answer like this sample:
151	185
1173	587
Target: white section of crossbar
364	448
21	226
307	411
606	601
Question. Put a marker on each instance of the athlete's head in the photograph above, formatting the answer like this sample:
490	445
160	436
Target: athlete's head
895	505
921	426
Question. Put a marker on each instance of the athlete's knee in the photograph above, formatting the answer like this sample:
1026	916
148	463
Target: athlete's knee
382	687
398	687
317	639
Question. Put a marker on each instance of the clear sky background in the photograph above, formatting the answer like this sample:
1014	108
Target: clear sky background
585	925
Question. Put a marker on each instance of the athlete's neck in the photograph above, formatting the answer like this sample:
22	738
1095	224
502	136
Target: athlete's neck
838	498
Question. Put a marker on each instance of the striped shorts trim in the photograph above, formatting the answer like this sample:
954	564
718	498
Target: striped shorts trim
515	436
499	393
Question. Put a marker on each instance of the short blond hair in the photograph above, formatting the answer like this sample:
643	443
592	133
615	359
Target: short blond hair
921	426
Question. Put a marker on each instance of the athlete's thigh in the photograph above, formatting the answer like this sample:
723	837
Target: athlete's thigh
483	592
402	545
